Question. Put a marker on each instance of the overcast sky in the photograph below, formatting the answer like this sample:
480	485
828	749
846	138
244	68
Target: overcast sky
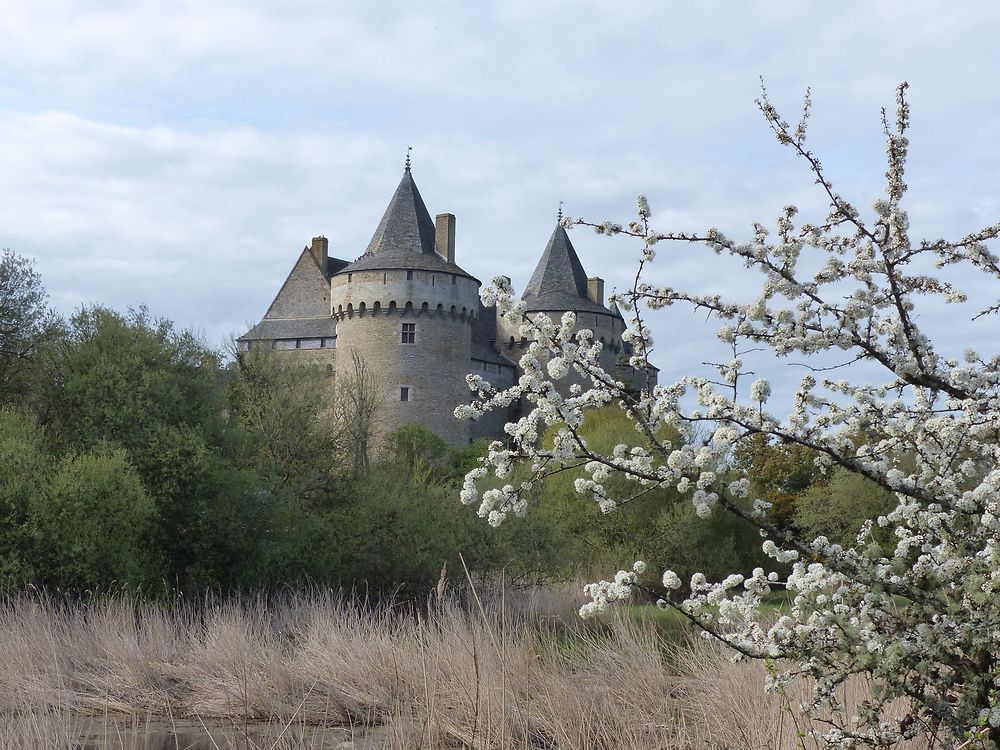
181	154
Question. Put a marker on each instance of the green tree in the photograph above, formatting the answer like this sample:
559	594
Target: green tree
91	524
116	375
838	508
396	533
24	466
654	524
778	472
286	408
134	382
25	323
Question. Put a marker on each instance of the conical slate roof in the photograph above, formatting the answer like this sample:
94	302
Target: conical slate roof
559	281
404	237
406	227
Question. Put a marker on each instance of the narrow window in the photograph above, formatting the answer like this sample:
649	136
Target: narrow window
409	333
404	393
409	275
349	277
454	279
384	277
433	279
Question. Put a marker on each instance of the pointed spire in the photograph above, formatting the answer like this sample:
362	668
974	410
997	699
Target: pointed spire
559	281
406	167
406	227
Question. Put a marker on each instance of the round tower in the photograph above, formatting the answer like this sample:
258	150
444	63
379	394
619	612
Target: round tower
559	285
406	309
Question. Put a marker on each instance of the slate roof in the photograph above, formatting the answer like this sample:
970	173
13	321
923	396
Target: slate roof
404	237
334	265
295	328
559	281
484	334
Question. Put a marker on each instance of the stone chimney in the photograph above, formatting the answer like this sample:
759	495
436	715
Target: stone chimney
444	236
320	250
595	289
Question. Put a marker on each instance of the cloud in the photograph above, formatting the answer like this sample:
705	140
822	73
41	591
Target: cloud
181	154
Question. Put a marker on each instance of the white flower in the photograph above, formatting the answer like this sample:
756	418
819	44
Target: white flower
760	390
911	421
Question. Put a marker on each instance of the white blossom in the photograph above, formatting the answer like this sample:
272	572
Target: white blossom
915	617
760	390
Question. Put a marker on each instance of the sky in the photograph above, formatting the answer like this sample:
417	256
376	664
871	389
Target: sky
180	155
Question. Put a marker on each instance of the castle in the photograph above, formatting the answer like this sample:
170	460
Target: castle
415	318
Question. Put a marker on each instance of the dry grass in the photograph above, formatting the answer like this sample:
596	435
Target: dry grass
511	672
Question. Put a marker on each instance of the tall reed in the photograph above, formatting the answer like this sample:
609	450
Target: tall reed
484	669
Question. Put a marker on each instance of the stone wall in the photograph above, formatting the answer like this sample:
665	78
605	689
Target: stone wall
305	293
381	289
491	425
371	307
432	369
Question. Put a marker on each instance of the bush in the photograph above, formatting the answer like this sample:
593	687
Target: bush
91	524
24	465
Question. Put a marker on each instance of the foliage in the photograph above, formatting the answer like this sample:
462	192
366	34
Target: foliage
419	451
917	620
24	465
778	473
92	524
658	525
133	382
25	323
116	376
426	457
839	508
153	462
80	521
284	406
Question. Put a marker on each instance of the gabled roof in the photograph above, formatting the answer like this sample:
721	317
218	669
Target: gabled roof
559	281
304	291
404	237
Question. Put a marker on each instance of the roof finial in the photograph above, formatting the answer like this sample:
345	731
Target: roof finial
408	150
559	215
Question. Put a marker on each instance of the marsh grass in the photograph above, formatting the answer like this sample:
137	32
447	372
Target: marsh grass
484	669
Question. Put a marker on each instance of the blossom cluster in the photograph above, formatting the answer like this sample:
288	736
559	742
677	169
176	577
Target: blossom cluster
916	617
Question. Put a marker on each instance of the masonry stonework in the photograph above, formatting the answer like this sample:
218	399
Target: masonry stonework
415	318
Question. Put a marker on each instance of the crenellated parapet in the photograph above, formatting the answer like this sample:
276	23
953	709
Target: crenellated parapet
413	329
403	292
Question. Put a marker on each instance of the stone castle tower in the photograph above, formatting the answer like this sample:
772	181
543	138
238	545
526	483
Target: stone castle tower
559	285
415	319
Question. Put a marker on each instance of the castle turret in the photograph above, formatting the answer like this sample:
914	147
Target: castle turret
407	309
559	285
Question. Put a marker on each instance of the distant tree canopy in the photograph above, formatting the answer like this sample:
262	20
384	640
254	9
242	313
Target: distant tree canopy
26	322
131	453
833	503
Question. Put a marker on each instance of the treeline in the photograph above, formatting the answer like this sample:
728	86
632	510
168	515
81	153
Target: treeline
134	455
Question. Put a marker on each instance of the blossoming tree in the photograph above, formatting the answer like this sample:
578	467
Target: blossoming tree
920	621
